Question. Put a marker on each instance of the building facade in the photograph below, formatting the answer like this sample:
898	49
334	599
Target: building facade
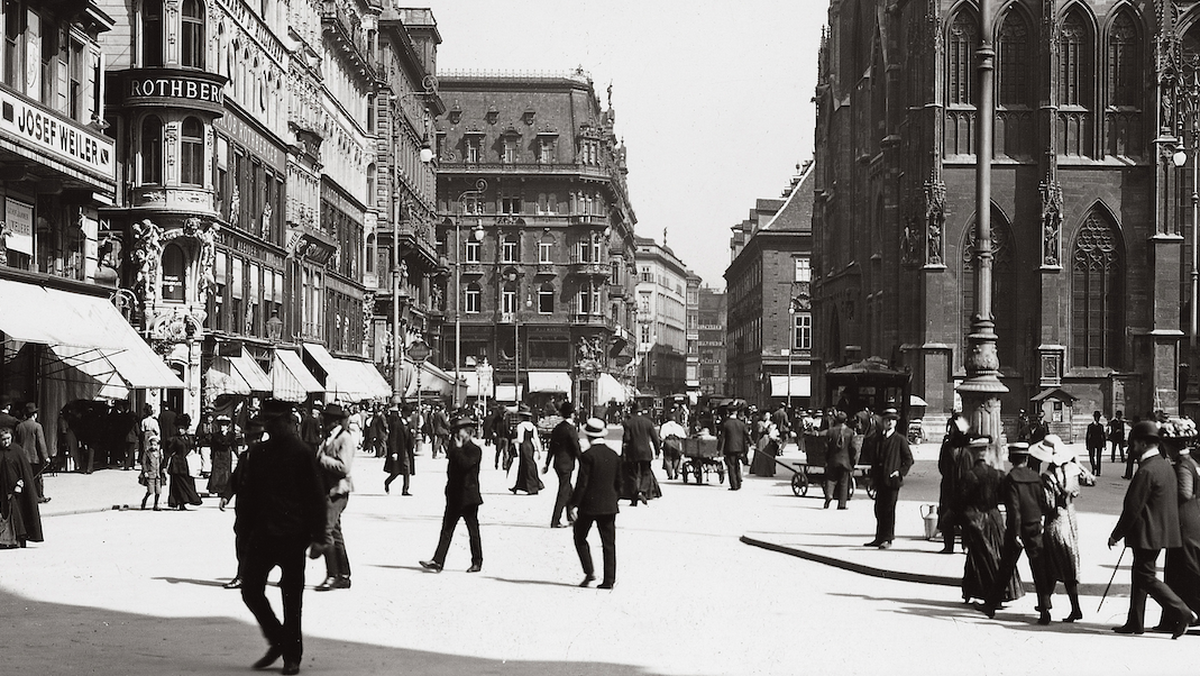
770	321
692	309
537	229
662	343
1088	215
711	343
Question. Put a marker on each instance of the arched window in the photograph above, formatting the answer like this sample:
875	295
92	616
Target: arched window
192	44
152	33
191	165
1124	82
1097	295
174	273
546	299
1075	85
152	143
961	42
1004	288
1014	52
471	298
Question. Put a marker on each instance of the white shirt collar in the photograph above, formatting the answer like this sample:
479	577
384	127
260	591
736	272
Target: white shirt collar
1149	452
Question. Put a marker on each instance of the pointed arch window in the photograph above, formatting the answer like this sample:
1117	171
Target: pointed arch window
1097	295
192	45
1074	69
152	33
961	42
151	146
1014	51
192	152
1123	78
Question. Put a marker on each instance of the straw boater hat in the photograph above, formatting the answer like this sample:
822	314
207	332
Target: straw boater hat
890	412
1018	448
594	428
981	441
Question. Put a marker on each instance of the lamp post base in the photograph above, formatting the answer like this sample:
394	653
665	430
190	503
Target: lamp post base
981	407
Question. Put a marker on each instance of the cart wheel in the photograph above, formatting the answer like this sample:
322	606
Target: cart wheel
797	484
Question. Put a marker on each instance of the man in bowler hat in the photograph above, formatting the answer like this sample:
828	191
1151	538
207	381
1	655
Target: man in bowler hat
336	457
280	512
892	459
463	457
1149	523
595	501
563	452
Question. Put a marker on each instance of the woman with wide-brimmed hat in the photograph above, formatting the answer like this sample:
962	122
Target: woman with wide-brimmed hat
529	451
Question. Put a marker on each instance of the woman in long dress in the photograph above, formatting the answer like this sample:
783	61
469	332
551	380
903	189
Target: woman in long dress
529	450
1182	572
983	530
20	518
223	443
183	487
766	448
1060	532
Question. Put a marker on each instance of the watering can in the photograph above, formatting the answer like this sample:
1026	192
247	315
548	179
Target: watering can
930	516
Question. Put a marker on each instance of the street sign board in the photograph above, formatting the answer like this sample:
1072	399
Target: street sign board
418	351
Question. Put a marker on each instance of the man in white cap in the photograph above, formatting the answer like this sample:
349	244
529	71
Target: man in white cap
595	499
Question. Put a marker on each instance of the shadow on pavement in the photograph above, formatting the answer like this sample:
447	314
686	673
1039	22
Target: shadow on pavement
50	638
1022	619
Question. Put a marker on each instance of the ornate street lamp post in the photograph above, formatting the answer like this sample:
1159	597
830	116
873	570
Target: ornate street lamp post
1188	95
982	388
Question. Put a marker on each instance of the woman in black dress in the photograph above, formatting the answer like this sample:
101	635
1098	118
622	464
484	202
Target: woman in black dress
529	449
183	486
223	441
983	529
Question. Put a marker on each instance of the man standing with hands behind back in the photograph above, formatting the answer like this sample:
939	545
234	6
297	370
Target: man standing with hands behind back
1149	523
732	442
892	461
595	500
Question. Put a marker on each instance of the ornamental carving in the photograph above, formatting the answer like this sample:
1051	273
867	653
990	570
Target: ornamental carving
1052	208
910	242
935	221
147	259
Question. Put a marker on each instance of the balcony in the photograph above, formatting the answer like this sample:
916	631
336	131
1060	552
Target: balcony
458	166
472	269
546	269
587	319
589	268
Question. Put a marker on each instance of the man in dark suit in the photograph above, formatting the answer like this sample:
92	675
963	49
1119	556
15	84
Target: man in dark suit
564	451
1094	440
892	459
1149	523
639	446
280	512
595	501
839	461
400	444
733	442
463	458
30	436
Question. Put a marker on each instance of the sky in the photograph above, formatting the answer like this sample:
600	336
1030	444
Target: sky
713	97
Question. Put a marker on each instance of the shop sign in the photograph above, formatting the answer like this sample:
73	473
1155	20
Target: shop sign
18	226
57	136
176	87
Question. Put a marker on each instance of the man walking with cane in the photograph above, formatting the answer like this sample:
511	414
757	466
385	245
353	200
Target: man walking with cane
1149	523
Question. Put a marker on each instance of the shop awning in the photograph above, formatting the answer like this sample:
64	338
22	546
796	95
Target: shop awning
609	389
434	381
801	386
373	381
290	381
508	392
550	381
344	379
479	384
53	317
237	375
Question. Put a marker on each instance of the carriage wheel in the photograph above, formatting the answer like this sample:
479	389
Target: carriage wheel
800	484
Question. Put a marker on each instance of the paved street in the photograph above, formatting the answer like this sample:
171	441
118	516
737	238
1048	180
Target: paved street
131	592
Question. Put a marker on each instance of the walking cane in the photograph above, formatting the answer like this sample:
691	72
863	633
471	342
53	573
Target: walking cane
1111	578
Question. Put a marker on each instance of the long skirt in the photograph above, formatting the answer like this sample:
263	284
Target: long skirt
222	467
1060	546
764	458
527	472
183	491
983	534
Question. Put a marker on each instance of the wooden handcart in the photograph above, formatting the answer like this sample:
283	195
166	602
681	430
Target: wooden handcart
812	470
701	459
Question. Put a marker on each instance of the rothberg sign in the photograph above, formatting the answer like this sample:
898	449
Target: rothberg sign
57	136
169	87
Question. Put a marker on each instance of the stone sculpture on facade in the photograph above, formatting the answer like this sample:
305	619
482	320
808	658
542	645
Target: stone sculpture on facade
147	259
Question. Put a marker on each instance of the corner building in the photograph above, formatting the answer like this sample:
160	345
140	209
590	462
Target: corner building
1088	213
545	291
